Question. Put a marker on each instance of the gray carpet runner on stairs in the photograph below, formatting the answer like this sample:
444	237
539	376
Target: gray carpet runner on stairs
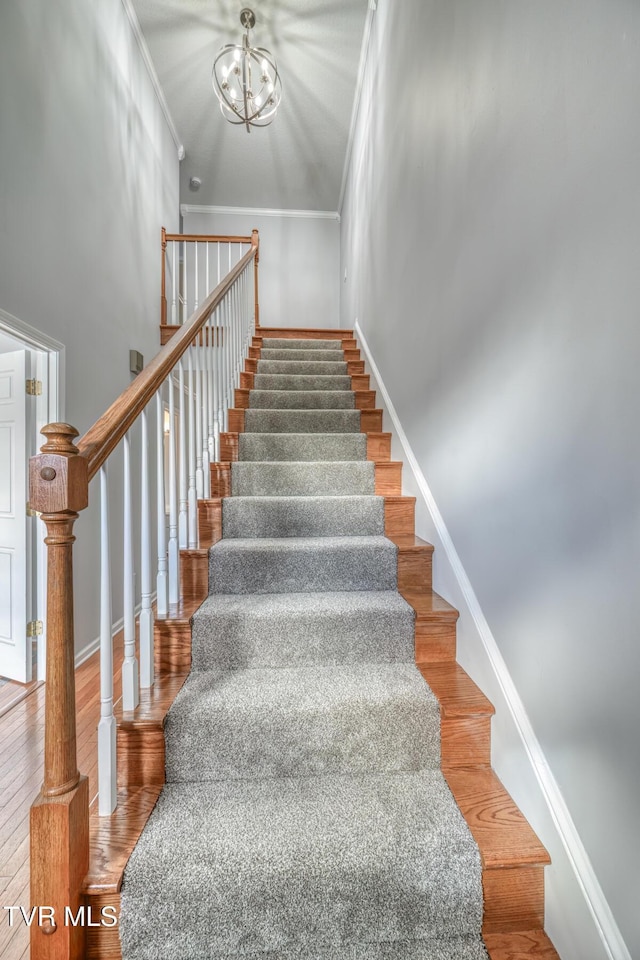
305	816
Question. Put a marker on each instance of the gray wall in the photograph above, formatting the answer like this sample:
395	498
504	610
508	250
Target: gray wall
491	233
88	175
299	285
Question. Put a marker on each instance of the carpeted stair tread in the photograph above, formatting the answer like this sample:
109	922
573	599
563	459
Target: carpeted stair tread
304	478
298	629
302	722
300	381
302	446
302	564
306	516
269	353
301	399
323	368
283	343
241	866
302	421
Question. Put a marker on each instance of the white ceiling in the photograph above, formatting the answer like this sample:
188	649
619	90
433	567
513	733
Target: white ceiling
297	162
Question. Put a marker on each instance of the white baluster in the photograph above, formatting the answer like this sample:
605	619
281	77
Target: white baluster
197	376
146	612
185	311
211	352
204	412
217	381
107	779
192	497
174	550
174	283
130	687
161	579
196	301
183	525
207	392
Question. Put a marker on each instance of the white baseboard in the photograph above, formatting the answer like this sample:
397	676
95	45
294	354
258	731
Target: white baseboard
596	903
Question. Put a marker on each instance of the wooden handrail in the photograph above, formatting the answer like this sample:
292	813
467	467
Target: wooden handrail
107	432
194	237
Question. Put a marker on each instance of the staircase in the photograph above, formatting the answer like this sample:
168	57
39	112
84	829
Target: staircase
321	800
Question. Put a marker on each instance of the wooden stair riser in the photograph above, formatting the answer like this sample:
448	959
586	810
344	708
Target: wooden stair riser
414	568
141	752
513	898
399	516
435	642
172	647
141	743
209	522
194	574
378	446
388	479
103	942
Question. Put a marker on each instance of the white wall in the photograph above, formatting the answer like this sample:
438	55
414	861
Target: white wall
299	283
88	175
490	231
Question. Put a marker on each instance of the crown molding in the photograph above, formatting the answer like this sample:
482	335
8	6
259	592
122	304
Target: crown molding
261	212
153	76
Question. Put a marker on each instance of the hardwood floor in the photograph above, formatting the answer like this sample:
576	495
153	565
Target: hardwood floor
21	759
12	693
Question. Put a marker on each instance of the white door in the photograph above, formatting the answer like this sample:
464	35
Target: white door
15	650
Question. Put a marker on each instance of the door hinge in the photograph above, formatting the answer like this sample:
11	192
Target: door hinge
31	512
34	628
34	388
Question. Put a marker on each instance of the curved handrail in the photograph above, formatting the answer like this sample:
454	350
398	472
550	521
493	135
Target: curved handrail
104	436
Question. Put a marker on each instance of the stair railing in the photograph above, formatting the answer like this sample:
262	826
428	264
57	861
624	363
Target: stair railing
166	423
189	261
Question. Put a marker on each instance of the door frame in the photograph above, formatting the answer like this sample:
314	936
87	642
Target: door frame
48	365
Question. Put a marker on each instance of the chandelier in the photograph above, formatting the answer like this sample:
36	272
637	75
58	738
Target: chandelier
246	80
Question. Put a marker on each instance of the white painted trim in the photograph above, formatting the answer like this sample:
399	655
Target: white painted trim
153	76
50	408
262	212
364	56
595	899
28	334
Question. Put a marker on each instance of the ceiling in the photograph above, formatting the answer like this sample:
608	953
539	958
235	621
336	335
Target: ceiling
295	163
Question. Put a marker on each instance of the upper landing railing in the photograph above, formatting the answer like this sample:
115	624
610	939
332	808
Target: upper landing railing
164	429
190	262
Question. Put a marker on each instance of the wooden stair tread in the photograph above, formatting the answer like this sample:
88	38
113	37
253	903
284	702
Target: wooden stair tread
456	691
179	612
406	542
521	945
112	839
499	828
429	604
154	702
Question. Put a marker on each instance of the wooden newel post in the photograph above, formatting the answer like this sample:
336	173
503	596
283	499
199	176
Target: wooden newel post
255	242
58	488
163	291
